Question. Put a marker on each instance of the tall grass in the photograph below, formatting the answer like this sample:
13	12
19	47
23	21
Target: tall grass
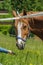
31	55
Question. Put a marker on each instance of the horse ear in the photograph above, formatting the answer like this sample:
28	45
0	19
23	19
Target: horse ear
14	13
24	12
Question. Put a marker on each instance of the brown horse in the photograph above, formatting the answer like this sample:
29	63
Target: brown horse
24	26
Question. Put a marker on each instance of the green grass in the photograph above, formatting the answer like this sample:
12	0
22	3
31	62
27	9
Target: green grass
31	55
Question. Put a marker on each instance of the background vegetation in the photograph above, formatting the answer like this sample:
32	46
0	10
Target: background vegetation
29	5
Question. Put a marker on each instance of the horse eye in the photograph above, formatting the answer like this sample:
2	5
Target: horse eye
24	27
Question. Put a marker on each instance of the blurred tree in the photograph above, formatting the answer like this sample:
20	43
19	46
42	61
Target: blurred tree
7	5
29	5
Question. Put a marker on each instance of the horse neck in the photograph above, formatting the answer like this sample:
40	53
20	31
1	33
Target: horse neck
36	26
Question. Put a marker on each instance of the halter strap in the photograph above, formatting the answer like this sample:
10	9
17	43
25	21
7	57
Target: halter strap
21	39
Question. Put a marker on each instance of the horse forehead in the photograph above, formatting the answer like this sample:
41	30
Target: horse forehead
20	24
16	23
25	24
21	21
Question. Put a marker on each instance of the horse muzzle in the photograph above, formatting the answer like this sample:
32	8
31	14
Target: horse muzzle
20	43
20	46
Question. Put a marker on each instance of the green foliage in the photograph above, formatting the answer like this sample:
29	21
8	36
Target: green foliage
7	29
31	35
1	5
4	29
12	31
4	32
29	5
6	4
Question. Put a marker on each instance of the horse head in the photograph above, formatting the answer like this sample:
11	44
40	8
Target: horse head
22	29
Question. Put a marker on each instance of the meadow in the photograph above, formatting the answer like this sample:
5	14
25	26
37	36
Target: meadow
31	55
